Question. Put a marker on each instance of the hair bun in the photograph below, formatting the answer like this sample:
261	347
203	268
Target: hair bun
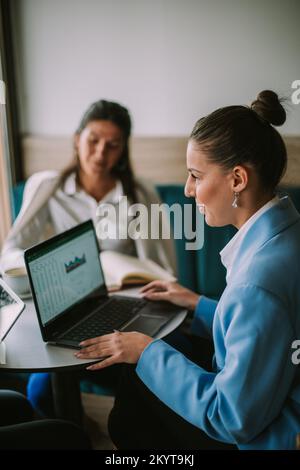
268	107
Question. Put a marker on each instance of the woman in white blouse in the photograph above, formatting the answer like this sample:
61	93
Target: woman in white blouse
56	201
100	172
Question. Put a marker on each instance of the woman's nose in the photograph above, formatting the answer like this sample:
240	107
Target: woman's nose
100	149
189	190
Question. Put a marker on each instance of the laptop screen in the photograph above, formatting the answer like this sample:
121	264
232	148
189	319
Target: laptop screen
65	270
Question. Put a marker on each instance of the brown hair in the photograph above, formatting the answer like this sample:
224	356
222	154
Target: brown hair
119	115
237	135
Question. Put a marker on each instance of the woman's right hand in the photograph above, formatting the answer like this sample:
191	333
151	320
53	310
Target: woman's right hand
172	292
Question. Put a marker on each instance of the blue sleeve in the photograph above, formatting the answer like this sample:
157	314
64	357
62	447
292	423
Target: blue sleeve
203	317
253	336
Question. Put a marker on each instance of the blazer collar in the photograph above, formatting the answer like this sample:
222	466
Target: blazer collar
273	221
229	252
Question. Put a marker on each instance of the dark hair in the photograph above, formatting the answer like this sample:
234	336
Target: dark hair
119	115
237	135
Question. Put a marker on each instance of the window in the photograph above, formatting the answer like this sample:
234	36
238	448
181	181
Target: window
10	157
5	179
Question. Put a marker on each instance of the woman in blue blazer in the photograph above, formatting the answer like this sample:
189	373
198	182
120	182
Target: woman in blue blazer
251	397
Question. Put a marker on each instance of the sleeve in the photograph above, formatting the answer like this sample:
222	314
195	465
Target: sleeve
25	233
203	317
254	375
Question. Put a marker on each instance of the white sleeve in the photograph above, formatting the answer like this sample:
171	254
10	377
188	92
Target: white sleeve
28	228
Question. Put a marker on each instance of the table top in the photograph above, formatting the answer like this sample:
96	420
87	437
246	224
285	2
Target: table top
26	351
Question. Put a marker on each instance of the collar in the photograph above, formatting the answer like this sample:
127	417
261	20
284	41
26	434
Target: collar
71	188
113	196
229	251
266	225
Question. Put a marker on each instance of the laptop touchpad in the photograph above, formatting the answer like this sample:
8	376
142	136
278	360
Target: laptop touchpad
146	324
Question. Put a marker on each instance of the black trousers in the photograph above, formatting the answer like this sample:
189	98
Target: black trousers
19	431
139	420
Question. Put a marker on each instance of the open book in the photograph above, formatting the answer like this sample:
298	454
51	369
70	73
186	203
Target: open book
121	270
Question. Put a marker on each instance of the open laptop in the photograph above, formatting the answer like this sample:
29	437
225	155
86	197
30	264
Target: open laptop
11	307
71	298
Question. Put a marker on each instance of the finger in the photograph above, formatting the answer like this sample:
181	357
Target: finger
151	291
105	363
86	349
93	356
101	343
154	285
157	296
96	340
85	354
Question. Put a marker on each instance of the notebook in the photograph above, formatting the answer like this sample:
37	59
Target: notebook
71	296
123	270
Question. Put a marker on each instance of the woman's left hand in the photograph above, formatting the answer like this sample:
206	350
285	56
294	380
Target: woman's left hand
115	348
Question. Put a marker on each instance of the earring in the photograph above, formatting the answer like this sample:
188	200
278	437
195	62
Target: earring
235	200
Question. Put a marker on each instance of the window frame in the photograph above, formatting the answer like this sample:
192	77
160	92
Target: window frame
5	178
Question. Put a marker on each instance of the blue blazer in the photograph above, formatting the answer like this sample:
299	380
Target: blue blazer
252	398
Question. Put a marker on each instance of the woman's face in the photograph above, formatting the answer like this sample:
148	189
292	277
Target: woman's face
100	145
211	187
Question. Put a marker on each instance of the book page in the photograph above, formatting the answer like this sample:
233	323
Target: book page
120	269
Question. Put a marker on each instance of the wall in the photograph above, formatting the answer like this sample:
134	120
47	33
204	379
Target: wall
160	159
169	61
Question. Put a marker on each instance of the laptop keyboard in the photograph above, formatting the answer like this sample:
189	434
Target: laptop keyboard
109	317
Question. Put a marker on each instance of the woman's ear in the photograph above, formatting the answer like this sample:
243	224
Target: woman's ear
240	177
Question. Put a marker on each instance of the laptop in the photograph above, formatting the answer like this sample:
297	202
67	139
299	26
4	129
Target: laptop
71	297
11	307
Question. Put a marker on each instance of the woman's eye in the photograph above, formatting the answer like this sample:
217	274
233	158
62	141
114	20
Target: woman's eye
114	145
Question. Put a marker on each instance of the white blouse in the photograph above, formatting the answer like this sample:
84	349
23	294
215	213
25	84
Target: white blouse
72	205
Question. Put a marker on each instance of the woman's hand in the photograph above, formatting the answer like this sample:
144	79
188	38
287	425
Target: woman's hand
115	348
171	291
